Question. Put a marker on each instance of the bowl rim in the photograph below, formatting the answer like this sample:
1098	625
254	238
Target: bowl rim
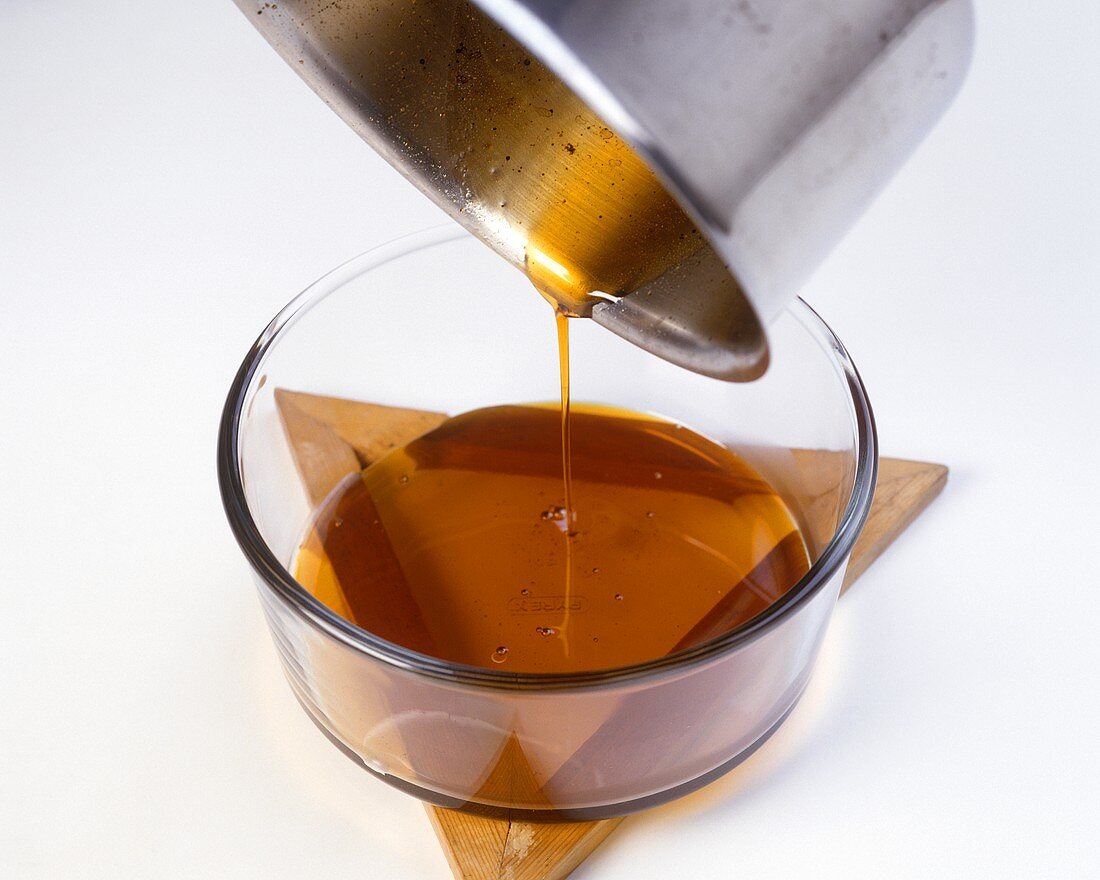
278	579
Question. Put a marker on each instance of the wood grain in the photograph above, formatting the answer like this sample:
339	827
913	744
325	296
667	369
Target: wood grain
369	430
321	456
904	489
332	437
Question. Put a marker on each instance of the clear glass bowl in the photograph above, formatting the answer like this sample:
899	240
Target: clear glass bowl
437	321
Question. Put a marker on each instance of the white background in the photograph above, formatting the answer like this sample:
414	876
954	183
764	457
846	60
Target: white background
166	183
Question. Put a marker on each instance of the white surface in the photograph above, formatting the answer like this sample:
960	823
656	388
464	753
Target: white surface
166	184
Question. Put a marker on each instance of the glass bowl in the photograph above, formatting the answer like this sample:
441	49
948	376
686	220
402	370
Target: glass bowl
436	321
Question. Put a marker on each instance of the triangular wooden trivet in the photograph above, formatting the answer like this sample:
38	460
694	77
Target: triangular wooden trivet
331	438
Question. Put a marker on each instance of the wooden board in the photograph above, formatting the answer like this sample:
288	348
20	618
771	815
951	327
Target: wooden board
332	437
903	490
